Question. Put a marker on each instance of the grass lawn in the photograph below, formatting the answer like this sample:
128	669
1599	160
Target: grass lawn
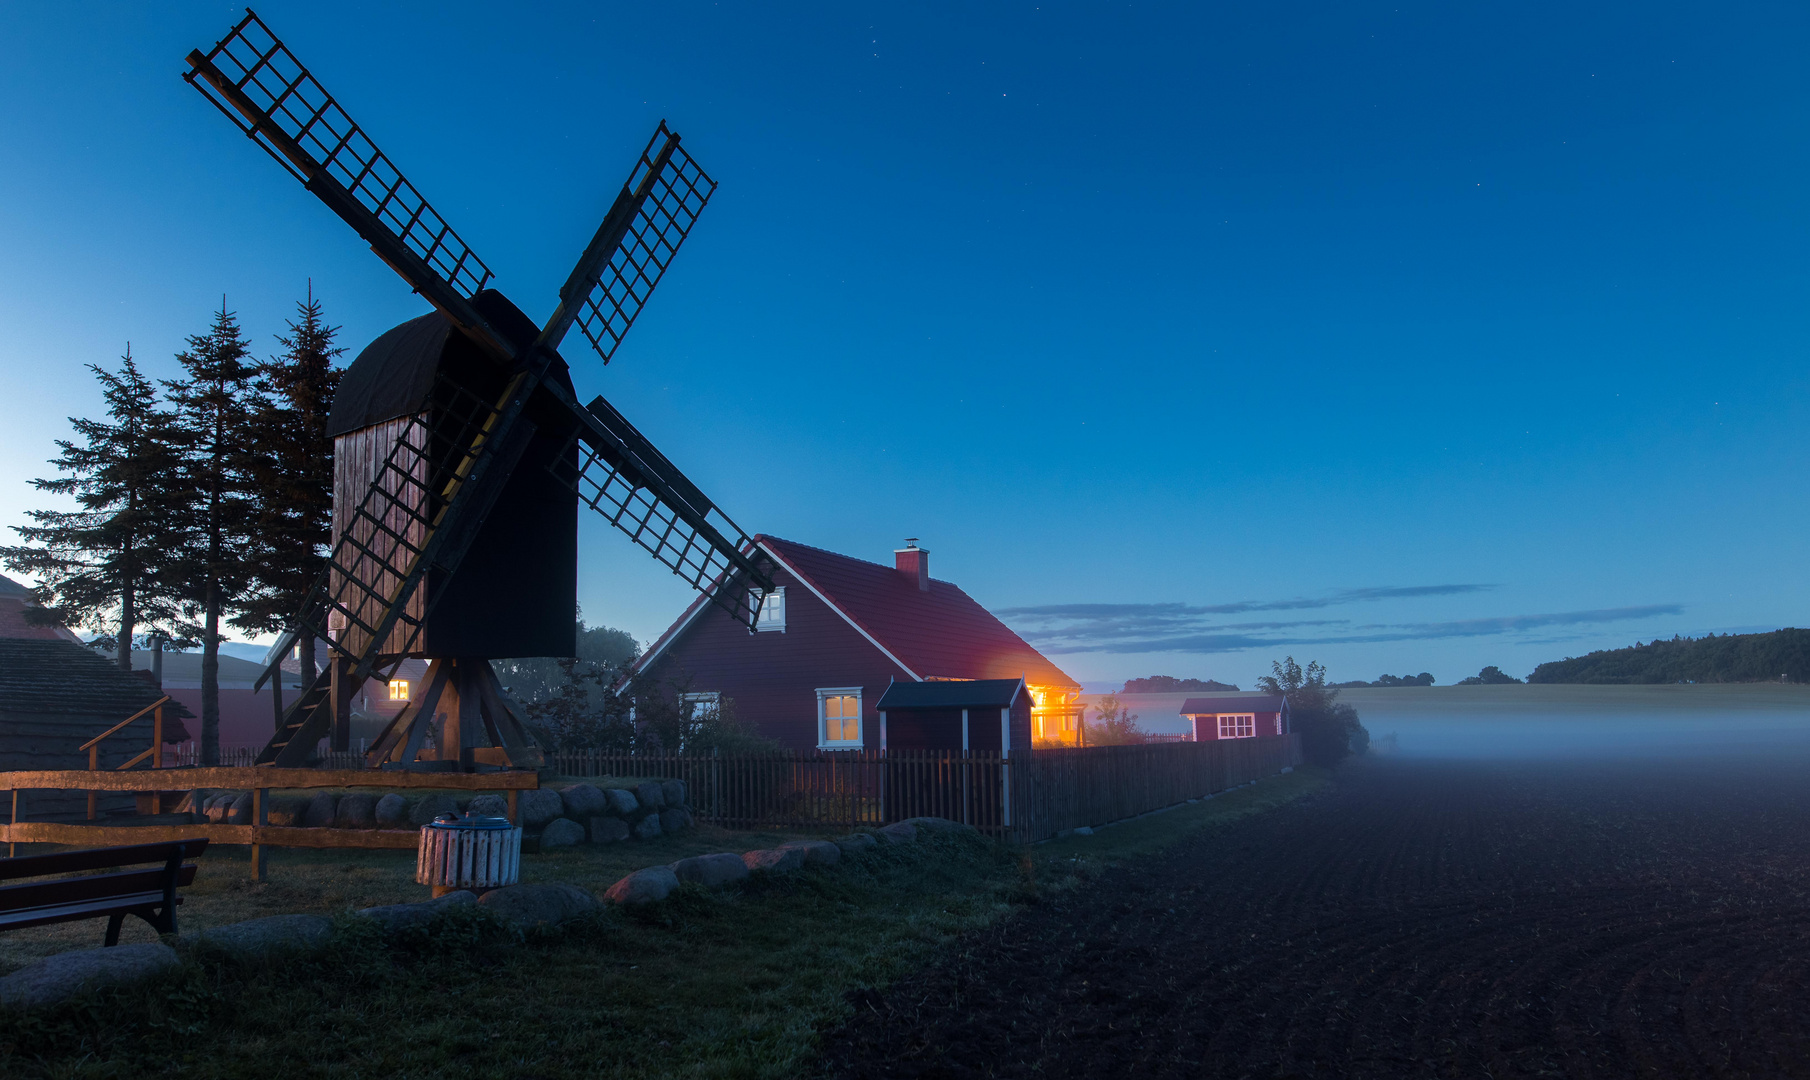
733	983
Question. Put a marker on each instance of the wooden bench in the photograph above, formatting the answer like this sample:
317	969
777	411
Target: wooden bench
148	894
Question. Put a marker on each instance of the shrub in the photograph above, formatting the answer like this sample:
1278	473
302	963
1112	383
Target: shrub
1330	729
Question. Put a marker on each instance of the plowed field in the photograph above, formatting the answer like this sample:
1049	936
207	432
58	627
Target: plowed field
1421	919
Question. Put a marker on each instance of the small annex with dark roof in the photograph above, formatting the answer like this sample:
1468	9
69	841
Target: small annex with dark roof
836	634
976	715
1237	716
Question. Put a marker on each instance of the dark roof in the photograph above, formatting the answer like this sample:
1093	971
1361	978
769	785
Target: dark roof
9	587
63	677
1238	703
951	694
940	633
393	375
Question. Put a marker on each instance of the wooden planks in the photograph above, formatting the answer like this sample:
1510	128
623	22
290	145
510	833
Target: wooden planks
246	779
51	832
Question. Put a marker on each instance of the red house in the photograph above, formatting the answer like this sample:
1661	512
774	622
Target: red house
1237	716
837	632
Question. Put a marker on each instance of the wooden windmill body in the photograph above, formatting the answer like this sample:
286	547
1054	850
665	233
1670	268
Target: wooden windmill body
461	453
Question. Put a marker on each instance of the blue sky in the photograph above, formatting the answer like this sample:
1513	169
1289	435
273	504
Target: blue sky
1398	336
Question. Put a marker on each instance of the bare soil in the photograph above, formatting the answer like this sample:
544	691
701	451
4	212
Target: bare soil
1418	919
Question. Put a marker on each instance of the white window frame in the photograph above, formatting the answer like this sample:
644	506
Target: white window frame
762	623
710	699
401	685
824	693
1243	725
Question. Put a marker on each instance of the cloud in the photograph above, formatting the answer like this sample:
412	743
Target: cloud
1182	628
1239	607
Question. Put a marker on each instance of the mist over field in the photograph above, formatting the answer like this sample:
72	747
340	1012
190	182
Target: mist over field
1534	721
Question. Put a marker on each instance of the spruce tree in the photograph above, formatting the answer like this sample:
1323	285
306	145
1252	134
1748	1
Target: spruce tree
212	404
103	566
291	474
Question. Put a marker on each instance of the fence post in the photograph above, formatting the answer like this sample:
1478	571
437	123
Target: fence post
260	817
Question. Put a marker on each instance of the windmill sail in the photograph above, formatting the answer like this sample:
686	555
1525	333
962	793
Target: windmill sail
253	78
650	219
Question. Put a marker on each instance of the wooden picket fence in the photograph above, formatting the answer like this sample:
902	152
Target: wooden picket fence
1025	799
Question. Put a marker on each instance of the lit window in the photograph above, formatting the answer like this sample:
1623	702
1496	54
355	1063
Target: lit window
772	611
839	716
399	689
1237	725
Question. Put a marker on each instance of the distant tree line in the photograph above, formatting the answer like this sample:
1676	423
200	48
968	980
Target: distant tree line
199	500
1781	655
1169	684
1423	679
1489	676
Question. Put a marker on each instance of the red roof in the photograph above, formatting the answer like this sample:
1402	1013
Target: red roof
13	624
942	633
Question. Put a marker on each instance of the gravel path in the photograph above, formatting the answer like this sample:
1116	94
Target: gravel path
1420	919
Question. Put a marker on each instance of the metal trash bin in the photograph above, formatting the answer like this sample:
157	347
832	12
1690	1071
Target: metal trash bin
470	852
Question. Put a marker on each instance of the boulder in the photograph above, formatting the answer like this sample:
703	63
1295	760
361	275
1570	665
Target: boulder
774	860
539	807
547	904
429	807
269	936
584	801
644	886
711	871
57	978
561	832
356	812
675	820
651	795
673	791
648	827
392	812
855	842
489	804
902	832
285	809
401	916
816	852
322	808
238	812
608	830
941	826
622	801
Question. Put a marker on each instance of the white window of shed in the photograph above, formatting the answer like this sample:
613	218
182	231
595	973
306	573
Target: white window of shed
772	611
1237	725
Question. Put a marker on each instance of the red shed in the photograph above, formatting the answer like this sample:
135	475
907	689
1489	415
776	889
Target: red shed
1237	716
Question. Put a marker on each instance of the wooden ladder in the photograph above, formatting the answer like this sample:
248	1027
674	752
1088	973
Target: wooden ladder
305	723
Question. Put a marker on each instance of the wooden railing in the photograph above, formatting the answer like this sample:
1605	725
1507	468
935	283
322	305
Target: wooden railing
259	781
93	746
1026	798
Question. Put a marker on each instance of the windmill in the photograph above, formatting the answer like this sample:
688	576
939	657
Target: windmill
461	452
